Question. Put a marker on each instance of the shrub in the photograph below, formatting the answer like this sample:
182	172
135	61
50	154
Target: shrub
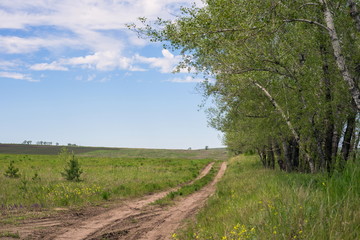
73	170
12	171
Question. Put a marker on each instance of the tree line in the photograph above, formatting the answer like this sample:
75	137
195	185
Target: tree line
283	75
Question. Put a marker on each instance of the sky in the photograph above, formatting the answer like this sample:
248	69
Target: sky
71	72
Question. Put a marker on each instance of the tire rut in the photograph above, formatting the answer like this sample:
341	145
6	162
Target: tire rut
156	223
107	220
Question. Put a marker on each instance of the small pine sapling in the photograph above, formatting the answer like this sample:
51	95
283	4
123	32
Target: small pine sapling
73	170
12	171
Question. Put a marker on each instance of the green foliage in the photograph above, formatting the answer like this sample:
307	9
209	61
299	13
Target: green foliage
275	75
12	171
255	203
73	170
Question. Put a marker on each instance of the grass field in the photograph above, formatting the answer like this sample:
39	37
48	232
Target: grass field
212	153
255	203
42	185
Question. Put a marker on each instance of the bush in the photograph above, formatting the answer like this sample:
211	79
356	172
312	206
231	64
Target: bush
12	171
73	170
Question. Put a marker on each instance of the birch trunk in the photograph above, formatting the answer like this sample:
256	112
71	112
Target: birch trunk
339	58
287	120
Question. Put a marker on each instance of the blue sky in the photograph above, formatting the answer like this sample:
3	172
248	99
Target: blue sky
70	72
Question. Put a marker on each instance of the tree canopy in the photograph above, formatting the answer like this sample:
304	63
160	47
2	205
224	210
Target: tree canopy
285	75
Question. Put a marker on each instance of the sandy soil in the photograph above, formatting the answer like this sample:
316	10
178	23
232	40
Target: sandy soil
135	219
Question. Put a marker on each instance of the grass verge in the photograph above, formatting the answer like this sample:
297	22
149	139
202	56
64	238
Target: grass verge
255	203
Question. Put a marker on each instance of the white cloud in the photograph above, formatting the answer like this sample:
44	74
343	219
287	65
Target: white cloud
18	76
166	64
84	18
17	45
187	79
48	66
6	65
102	61
95	26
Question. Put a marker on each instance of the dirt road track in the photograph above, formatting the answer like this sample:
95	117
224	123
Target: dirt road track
155	223
134	219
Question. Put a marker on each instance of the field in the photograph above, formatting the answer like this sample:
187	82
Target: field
107	174
216	153
249	202
112	181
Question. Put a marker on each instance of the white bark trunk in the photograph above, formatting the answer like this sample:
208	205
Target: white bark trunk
340	60
287	120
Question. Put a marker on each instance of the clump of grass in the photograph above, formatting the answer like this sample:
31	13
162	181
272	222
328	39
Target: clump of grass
254	203
9	235
189	189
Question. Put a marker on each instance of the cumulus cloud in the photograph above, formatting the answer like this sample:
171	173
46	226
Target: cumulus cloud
86	19
97	27
102	61
18	76
166	64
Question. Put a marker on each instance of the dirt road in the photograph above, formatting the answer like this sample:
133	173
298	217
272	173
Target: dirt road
132	220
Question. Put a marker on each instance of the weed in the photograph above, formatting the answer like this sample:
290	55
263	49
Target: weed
36	177
105	195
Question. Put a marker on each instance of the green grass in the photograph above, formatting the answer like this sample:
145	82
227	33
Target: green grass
254	203
9	235
41	184
213	153
216	154
191	188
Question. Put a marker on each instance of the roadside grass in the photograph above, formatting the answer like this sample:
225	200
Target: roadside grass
255	203
189	189
41	185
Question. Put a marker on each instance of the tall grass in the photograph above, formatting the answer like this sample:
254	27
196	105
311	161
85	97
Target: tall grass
42	185
254	203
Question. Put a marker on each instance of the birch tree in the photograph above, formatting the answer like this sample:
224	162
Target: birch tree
284	79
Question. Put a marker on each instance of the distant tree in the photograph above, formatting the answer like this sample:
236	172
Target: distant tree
206	147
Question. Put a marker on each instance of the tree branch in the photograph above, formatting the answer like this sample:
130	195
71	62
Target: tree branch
308	21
